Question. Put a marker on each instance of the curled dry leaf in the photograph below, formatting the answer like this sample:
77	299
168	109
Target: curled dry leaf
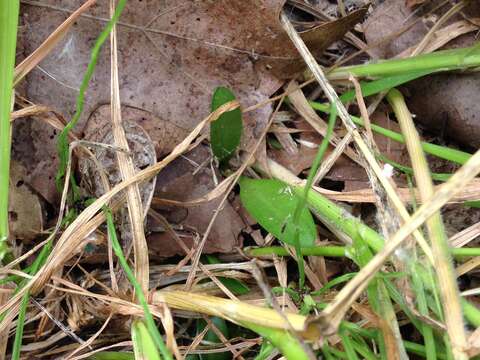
24	210
171	57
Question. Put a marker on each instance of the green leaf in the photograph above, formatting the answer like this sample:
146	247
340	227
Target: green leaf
212	337
225	133
237	287
143	345
272	203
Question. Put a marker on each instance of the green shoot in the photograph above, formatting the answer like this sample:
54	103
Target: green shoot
150	322
8	40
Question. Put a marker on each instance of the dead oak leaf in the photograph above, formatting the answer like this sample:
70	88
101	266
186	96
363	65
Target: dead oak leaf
172	55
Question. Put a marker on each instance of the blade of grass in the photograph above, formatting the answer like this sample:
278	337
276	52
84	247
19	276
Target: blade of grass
383	84
150	322
144	347
447	278
444	60
8	39
303	199
288	345
348	345
332	251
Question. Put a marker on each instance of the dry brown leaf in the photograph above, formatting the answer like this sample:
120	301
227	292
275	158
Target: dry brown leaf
168	67
24	210
183	180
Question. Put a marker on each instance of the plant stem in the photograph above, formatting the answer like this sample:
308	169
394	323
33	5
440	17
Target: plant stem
8	38
288	345
340	251
332	251
445	60
303	198
62	145
150	322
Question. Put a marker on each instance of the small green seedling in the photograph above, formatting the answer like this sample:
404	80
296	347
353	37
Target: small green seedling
226	131
272	204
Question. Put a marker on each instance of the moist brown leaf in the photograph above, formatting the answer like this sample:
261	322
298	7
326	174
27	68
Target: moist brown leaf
171	57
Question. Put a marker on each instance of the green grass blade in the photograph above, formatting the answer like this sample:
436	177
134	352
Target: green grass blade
374	87
444	60
8	39
288	345
143	345
150	322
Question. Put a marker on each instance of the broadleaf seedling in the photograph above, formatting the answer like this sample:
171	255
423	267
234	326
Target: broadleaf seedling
226	131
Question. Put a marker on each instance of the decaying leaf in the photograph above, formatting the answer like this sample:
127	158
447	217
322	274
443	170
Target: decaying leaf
171	57
24	210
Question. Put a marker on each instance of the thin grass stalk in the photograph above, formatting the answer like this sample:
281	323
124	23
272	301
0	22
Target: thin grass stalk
127	169
8	39
426	330
348	345
442	152
288	345
447	278
303	199
150	322
62	145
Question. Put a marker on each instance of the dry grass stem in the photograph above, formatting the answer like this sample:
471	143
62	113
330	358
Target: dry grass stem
127	170
446	276
236	311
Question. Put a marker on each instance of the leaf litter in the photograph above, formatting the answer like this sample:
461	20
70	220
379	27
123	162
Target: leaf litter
172	56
